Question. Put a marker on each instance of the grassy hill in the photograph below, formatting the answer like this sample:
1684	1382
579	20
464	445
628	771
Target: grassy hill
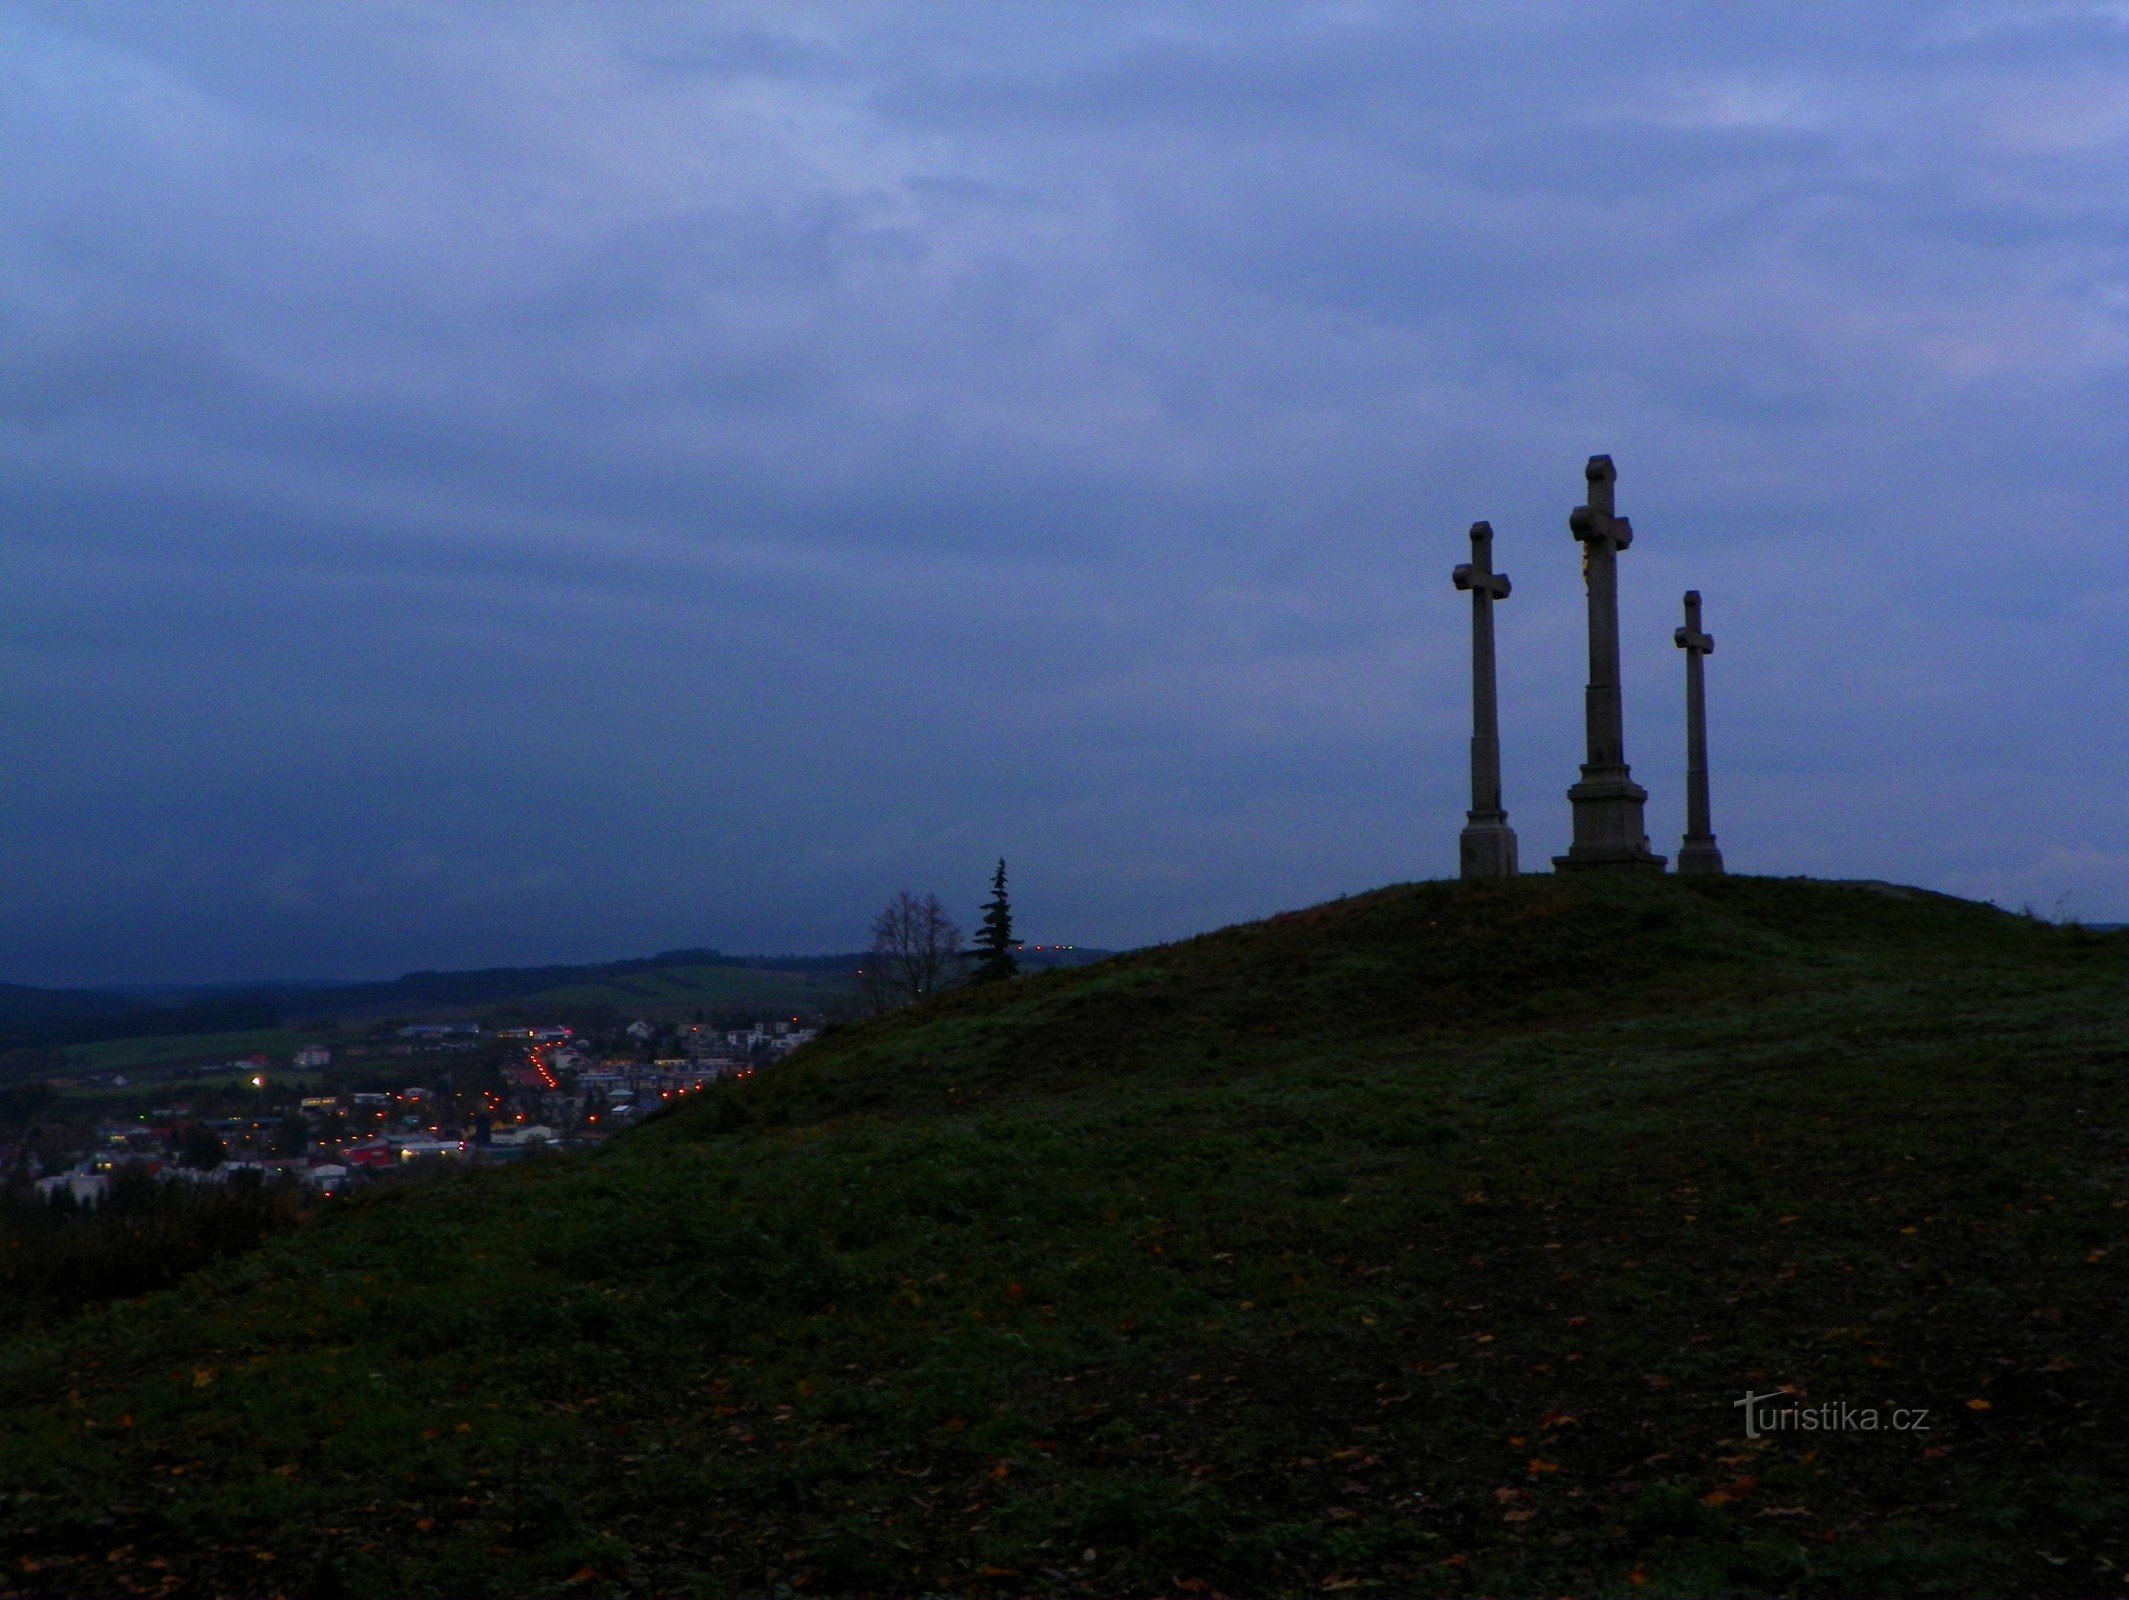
1422	1242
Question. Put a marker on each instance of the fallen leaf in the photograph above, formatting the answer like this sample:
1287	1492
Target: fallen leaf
202	1376
1638	1576
1979	1405
1724	1494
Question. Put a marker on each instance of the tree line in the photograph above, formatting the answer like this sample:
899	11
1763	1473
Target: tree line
917	948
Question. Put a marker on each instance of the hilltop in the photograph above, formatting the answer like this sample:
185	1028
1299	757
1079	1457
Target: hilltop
1425	1239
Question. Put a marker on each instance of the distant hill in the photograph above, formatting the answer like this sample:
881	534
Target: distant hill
671	981
49	1019
445	991
1424	1242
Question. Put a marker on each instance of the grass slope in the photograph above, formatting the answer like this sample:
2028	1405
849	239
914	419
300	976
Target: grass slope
1423	1240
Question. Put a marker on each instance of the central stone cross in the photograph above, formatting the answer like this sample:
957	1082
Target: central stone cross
1609	830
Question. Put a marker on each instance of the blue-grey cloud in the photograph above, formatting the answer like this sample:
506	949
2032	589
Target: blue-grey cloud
507	482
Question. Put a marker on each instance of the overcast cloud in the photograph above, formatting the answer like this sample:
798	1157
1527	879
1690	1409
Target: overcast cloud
504	482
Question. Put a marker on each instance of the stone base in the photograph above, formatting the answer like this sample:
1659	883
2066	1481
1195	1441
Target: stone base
1609	833
1486	849
1698	858
1644	860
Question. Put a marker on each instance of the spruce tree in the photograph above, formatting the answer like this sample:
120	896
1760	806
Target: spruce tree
994	938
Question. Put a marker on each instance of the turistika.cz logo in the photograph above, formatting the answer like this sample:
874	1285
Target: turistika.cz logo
1771	1413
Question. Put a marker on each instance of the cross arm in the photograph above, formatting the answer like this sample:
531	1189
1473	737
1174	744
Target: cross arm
1467	576
1586	524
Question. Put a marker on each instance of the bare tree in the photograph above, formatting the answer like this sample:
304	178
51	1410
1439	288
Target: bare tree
916	951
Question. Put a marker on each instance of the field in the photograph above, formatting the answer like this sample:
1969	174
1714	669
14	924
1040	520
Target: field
126	1055
1424	1242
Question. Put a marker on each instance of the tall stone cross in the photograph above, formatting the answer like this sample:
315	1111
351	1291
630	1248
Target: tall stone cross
1609	831
1486	847
1697	856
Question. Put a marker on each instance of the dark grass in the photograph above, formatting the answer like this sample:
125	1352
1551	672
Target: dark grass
1422	1241
57	1259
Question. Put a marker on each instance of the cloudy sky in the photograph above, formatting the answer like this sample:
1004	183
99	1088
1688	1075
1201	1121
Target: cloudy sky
495	482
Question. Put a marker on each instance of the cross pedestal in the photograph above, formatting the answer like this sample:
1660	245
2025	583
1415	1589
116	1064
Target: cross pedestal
1697	856
1486	847
1610	834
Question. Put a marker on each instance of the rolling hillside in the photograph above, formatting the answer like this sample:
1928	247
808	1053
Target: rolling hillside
1423	1242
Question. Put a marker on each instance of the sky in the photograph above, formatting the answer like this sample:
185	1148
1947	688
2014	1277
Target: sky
489	483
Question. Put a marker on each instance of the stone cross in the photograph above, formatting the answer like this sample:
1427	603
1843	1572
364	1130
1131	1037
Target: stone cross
1609	830
1697	856
1486	847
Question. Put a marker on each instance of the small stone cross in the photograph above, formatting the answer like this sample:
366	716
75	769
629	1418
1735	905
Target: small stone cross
1698	855
1477	574
1487	846
1690	637
1594	520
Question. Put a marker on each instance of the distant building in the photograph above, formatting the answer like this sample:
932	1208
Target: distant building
83	1188
535	1134
312	1056
371	1153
